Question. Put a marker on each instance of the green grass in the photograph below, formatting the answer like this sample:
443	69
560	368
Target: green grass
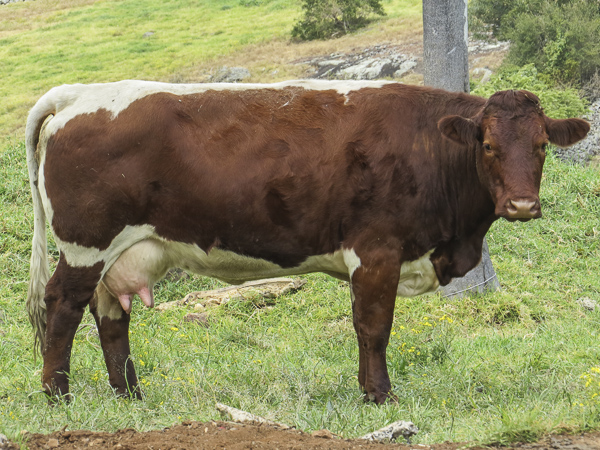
497	368
104	41
502	367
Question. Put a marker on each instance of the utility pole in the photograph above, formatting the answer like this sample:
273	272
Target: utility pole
446	66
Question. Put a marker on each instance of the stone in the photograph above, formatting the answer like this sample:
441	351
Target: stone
587	303
147	34
198	319
393	431
325	434
6	2
53	443
482	74
230	75
379	61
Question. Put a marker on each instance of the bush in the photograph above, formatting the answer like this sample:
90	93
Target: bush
325	19
557	103
560	37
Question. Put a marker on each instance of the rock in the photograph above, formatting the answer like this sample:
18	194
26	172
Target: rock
230	75
237	415
199	319
147	34
325	434
393	431
6	2
482	74
485	46
371	63
587	303
53	443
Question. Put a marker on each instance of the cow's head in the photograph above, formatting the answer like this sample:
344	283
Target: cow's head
510	135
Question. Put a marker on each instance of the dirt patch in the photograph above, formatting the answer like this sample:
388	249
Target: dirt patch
210	435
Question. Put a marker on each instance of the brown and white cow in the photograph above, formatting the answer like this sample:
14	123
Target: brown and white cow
390	186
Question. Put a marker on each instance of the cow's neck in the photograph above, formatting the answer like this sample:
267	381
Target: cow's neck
468	210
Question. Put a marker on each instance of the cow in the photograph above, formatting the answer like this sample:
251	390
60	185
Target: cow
391	187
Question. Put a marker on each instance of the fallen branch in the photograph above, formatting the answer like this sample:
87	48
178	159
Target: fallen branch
237	415
392	431
269	288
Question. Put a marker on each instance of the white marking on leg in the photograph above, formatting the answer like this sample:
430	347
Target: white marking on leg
351	260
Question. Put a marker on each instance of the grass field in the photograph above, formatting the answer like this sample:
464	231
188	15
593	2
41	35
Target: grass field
49	42
497	368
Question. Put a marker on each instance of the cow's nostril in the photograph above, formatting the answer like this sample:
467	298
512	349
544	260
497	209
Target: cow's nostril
523	209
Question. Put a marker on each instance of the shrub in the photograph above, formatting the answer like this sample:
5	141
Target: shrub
591	89
330	18
557	103
560	37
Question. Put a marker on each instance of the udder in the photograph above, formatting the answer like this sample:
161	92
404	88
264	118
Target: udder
135	272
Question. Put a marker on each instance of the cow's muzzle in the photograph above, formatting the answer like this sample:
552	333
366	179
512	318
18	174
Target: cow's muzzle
522	210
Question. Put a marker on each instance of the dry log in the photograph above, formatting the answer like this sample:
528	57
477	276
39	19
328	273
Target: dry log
237	415
269	288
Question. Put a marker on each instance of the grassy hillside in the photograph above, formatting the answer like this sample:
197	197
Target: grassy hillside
498	368
47	43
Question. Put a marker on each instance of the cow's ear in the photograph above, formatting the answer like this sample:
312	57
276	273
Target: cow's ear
459	129
565	132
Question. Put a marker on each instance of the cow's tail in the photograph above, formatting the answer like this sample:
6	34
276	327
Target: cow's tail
39	269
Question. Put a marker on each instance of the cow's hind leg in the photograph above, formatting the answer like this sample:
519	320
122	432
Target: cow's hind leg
68	292
113	327
374	287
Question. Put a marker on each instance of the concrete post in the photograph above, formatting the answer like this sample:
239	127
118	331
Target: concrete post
446	66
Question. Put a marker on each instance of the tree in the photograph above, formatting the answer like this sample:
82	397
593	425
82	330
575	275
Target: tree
325	19
446	64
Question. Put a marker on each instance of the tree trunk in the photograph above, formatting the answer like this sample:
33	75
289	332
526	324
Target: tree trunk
446	63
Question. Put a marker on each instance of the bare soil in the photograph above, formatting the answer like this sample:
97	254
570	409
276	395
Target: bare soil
212	435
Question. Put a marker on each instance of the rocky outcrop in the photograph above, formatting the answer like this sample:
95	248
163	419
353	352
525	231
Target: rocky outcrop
6	2
376	62
230	75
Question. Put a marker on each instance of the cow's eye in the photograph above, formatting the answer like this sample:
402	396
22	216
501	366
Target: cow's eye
488	148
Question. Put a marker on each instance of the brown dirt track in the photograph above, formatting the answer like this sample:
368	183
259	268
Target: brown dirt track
213	435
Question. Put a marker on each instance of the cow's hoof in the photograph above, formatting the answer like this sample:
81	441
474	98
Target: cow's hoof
130	394
380	398
56	393
55	398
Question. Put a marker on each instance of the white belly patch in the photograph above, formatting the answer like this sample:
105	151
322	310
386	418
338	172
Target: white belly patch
137	269
418	277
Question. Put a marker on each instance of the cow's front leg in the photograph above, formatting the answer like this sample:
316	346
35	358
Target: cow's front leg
113	327
374	287
68	292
